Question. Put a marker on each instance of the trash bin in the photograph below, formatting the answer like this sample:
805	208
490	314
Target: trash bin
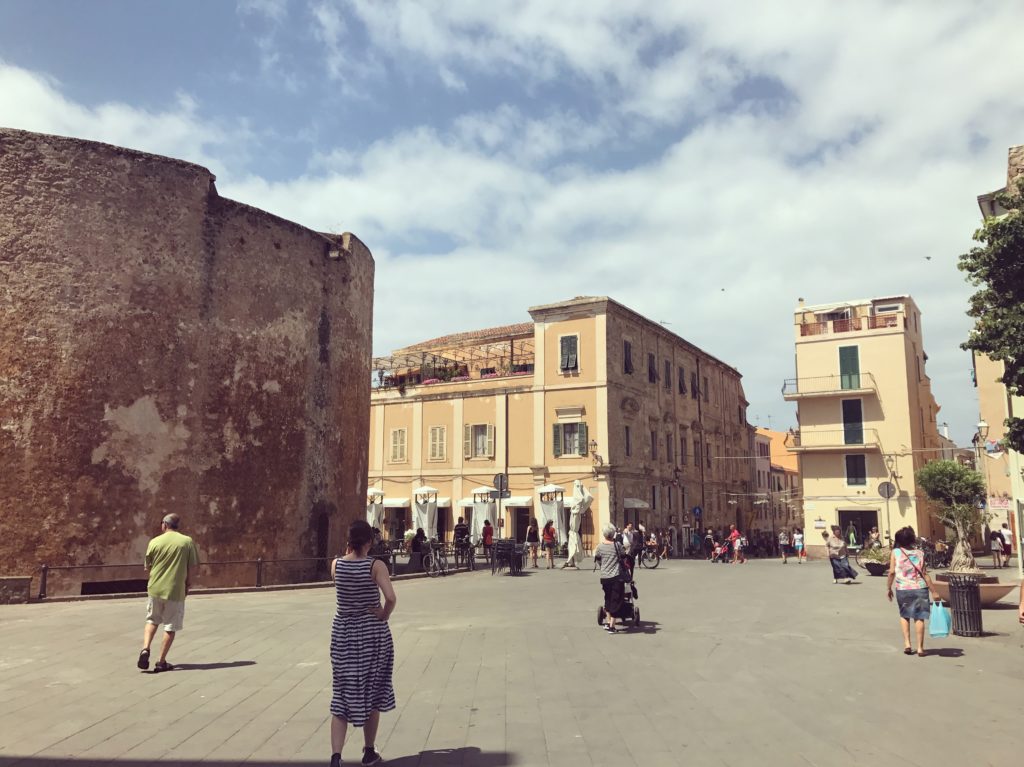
965	605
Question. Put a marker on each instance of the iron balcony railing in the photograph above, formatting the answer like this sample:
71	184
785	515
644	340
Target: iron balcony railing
824	385
873	322
849	438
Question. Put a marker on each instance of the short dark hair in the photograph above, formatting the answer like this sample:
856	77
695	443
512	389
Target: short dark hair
905	538
487	521
359	534
461	521
173	521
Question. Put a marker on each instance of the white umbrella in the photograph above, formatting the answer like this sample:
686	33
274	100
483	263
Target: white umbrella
581	500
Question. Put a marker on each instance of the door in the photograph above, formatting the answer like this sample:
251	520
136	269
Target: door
443	512
853	422
856	524
849	367
396	523
522	521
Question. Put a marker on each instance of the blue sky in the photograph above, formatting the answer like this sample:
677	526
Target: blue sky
505	154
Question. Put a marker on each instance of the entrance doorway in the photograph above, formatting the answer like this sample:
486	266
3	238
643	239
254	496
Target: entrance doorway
443	514
521	520
397	523
856	524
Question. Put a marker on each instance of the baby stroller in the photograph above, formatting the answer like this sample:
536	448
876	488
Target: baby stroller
721	553
629	613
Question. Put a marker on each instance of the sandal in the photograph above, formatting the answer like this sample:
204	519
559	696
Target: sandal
908	651
162	665
144	660
921	653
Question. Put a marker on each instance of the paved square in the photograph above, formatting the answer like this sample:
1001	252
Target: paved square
759	664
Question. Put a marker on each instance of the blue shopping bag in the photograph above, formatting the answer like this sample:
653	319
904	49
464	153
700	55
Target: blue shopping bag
938	620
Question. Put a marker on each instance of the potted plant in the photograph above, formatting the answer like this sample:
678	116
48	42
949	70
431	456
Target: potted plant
875	560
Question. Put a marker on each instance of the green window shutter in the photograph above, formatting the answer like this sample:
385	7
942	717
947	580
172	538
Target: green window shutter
467	441
568	353
584	440
556	440
849	367
490	440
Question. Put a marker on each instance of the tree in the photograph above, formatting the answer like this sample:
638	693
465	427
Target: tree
997	268
957	489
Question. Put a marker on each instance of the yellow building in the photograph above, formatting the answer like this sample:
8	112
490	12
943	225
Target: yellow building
866	417
781	507
590	390
1003	469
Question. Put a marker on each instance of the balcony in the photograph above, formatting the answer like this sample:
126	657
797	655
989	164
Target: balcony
853	324
850	384
852	439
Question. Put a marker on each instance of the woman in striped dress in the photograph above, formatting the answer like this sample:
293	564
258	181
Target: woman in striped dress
362	653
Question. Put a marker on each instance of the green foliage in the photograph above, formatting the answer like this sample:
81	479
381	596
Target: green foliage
956	489
996	267
878	554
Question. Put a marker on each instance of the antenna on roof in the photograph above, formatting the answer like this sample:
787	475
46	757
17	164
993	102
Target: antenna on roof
663	322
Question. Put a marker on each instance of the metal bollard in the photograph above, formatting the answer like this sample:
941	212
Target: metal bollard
259	572
43	572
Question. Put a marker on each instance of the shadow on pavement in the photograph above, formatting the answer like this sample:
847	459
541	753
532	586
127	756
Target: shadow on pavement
945	652
468	756
212	666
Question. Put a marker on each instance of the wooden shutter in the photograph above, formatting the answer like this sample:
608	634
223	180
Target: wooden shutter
565	349
583	447
401	444
467	441
394	445
627	357
490	440
682	380
849	367
556	440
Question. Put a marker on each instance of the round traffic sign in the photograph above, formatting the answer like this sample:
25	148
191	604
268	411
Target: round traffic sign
887	490
501	482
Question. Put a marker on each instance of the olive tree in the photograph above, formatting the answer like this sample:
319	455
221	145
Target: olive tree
956	490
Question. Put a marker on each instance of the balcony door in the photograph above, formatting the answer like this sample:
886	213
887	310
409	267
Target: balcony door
849	367
853	422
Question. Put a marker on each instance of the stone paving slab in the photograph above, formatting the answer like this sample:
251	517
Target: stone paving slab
759	664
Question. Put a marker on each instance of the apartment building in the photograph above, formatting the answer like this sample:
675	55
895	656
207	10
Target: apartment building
589	390
781	507
866	414
1003	469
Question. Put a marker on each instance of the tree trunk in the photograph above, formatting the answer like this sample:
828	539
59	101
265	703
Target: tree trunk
963	557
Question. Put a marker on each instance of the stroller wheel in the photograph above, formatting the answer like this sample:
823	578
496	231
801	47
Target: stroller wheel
601	615
636	617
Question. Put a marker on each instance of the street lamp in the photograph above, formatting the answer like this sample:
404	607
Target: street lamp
982	431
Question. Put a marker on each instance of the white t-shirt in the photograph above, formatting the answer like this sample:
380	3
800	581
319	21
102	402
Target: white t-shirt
784	538
1007	535
798	539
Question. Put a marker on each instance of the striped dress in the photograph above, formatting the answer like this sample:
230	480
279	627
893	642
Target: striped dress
362	653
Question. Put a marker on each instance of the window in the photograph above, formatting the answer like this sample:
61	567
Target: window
696	452
853	422
398	441
707	454
569	353
739	414
682	451
670	498
627	358
654	497
694	389
856	470
668	374
478	440
707	389
681	379
569	439
629	443
438	443
669	442
652	369
849	367
654	445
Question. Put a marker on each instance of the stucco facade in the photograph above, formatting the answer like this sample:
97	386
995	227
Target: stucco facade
866	416
645	447
164	349
782	507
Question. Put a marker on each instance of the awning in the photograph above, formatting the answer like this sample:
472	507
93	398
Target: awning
483	490
635	503
463	502
444	502
518	500
396	503
424	490
374	492
550	489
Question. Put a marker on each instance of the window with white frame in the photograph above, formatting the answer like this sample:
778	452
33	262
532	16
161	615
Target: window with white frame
398	445
478	440
438	449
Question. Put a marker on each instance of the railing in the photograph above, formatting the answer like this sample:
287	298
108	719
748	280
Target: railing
883	321
845	326
828	439
874	322
814	328
793	387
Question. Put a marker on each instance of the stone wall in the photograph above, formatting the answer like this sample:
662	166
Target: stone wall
163	349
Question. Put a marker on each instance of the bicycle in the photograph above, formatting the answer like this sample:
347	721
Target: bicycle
435	561
649	558
464	554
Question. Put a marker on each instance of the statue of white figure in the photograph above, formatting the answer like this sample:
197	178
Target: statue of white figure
581	500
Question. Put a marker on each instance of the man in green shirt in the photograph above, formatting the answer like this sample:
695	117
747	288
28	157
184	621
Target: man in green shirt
171	559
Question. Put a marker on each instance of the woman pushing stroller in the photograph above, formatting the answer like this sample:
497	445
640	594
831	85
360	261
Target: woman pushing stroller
616	576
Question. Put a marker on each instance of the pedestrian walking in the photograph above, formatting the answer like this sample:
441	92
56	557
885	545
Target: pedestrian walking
995	544
798	545
913	587
533	540
839	557
362	650
488	536
709	544
784	545
171	559
608	556
736	539
1007	543
549	538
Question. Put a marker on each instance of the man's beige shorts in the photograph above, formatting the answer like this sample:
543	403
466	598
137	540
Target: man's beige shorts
170	614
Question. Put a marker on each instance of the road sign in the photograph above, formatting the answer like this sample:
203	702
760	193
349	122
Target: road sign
496	494
887	490
698	512
501	483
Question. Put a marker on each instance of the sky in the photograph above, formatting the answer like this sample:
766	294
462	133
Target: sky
707	164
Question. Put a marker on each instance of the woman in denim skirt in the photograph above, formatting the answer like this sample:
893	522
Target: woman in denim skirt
914	589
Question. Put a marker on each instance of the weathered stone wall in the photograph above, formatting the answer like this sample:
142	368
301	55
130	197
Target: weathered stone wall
165	349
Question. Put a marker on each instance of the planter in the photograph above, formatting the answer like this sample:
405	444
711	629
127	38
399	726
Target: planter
989	586
876	568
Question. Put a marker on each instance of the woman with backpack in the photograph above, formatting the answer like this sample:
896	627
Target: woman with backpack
533	541
913	587
549	538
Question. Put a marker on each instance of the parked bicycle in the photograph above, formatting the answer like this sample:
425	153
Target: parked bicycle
649	557
435	560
